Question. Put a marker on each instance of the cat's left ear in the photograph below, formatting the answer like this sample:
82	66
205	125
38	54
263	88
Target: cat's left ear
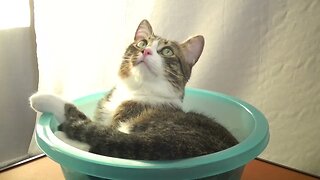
192	49
143	31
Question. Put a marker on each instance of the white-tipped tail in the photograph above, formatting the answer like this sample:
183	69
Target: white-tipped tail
49	103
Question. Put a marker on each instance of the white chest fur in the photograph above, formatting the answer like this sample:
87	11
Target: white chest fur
152	93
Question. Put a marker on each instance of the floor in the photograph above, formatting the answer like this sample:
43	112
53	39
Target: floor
45	168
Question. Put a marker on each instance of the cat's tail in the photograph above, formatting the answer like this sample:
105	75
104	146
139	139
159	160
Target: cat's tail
49	103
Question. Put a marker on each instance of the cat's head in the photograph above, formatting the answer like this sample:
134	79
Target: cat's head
151	59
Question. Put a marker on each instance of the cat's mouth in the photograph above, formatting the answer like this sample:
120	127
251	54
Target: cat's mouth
143	62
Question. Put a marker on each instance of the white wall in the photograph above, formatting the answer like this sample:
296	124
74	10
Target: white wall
264	52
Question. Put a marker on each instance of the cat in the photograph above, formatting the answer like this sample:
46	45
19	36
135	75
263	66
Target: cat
141	117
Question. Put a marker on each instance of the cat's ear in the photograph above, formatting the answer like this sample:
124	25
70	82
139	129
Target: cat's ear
143	31
192	49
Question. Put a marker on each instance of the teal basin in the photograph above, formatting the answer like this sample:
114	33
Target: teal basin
245	122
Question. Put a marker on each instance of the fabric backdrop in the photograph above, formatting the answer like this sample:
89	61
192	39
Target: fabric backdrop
264	52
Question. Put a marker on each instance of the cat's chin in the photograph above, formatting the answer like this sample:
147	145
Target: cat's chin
144	70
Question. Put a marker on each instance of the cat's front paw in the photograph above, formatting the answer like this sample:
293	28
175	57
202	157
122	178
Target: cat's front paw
48	103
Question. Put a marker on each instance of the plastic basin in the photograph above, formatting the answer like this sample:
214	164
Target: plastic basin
245	122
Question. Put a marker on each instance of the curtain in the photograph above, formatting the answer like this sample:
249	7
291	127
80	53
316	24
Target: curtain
264	52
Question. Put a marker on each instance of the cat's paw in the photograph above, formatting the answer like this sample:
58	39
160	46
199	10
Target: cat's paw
48	103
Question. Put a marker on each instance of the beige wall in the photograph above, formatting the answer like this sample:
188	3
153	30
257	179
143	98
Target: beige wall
268	53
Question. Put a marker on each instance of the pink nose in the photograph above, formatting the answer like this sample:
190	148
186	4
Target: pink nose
147	52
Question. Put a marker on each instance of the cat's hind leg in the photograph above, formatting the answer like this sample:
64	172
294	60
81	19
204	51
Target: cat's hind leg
76	124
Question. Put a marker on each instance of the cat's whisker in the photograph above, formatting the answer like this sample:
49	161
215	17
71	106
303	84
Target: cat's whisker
126	57
130	57
172	73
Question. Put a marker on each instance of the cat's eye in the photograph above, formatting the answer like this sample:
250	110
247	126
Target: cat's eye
167	52
142	44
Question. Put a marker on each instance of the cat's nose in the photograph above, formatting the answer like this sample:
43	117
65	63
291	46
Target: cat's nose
147	51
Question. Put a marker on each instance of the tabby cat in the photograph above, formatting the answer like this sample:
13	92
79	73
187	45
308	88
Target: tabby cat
142	117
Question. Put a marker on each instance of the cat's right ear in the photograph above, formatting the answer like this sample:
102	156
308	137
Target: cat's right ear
143	31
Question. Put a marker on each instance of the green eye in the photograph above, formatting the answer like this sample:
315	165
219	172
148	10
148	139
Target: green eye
142	44
167	52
